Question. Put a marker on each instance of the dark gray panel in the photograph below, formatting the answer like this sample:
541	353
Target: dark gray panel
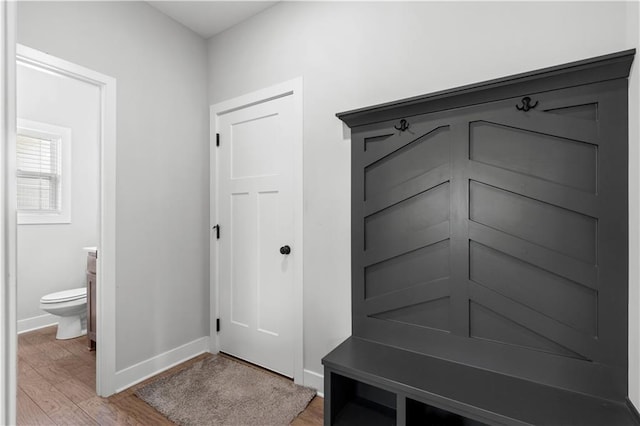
487	324
583	112
536	188
420	156
406	243
549	260
563	300
422	292
374	140
553	125
459	211
562	230
559	160
432	314
412	215
534	321
587	377
408	189
406	270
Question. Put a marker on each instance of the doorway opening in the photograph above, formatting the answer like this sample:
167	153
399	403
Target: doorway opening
44	185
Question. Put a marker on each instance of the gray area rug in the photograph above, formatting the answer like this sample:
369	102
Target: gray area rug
220	391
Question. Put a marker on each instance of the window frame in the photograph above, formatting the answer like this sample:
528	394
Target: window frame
38	130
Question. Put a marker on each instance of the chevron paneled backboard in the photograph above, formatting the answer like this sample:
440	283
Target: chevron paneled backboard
496	235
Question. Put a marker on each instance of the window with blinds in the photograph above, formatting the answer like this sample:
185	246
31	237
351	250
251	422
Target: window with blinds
43	173
39	170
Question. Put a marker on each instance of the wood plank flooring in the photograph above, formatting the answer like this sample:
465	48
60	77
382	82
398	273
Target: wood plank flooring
56	386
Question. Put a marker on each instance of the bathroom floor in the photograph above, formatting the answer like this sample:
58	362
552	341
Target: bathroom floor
56	385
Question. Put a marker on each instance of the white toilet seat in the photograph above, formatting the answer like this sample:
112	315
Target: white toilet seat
65	296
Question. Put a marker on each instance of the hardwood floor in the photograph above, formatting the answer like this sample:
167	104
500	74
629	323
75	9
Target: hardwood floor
56	386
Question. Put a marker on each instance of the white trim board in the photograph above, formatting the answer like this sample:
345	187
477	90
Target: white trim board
8	288
159	363
106	265
35	323
291	88
314	380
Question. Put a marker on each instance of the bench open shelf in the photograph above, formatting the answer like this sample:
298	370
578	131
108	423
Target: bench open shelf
367	383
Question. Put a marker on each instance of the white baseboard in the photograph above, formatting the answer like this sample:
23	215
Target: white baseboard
34	323
314	380
159	363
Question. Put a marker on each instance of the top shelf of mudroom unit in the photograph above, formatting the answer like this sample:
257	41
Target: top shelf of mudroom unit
601	68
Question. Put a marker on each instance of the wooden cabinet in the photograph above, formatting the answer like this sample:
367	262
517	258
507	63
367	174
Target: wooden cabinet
91	300
489	241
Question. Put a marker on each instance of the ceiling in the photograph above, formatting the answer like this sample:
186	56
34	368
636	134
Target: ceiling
211	17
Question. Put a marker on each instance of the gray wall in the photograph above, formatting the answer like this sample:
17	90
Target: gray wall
50	257
356	54
162	161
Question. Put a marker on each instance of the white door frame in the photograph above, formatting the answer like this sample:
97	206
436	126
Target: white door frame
291	88
8	307
106	266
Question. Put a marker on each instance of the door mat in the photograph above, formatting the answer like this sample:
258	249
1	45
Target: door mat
221	391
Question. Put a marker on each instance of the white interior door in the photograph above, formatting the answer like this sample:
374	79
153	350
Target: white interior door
256	218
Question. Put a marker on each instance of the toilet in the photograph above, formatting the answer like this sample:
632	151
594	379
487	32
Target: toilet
71	308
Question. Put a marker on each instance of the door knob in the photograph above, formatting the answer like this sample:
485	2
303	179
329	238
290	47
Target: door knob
285	250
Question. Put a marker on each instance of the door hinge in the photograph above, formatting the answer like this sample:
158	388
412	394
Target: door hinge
217	325
217	139
217	228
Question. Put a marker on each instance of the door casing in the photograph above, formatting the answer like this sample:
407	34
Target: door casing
8	309
291	88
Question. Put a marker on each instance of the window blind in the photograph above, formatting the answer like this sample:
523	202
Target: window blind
38	175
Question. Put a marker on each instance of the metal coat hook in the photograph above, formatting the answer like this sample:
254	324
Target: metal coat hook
404	125
526	104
